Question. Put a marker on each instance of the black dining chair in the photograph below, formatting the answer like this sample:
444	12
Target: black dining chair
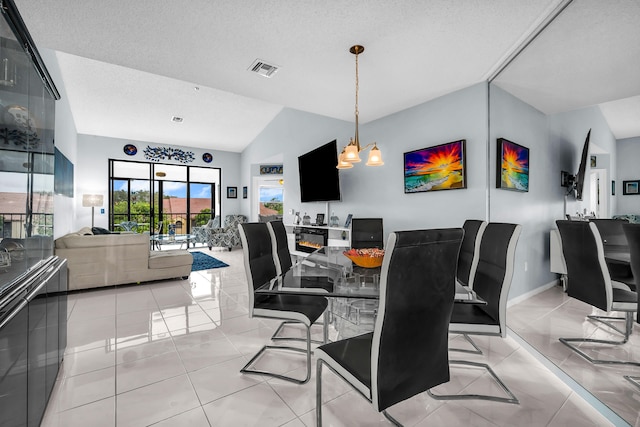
470	251
632	232
283	262
398	359
589	281
280	246
491	282
614	240
260	269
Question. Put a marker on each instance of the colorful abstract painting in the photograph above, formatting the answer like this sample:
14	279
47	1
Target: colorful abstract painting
513	166
435	168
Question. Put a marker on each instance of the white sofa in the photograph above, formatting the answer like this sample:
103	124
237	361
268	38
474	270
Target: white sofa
113	259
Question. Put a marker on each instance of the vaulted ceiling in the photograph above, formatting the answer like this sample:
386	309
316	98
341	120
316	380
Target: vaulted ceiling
129	67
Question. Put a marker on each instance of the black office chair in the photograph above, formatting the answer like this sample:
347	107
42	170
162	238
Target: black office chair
260	268
588	280
367	233
632	232
491	282
406	353
614	240
469	251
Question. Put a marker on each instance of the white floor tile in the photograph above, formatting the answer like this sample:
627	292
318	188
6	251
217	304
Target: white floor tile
169	353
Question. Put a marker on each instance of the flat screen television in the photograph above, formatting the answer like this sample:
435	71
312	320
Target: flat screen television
319	177
582	169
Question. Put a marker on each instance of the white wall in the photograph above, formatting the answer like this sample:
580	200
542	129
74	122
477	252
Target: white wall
92	172
567	133
66	142
628	167
535	210
379	191
555	144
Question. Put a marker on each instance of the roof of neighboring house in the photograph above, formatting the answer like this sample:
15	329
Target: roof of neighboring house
178	205
267	211
16	203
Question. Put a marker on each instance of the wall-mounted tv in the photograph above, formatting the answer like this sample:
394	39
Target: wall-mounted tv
319	177
575	183
582	169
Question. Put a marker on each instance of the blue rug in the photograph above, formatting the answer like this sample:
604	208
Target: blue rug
204	262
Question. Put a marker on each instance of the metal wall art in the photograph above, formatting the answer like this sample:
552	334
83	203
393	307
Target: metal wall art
270	169
155	154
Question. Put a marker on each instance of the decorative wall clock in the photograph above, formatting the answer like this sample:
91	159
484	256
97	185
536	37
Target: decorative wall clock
130	150
207	157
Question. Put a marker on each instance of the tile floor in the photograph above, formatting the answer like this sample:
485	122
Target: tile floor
549	315
169	354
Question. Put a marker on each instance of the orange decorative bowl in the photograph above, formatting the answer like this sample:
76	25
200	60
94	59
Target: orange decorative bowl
367	258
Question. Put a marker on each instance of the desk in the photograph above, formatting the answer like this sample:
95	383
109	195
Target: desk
308	277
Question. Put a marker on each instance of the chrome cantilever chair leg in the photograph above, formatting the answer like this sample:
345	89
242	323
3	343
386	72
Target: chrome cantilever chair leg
476	350
628	328
510	399
325	333
633	380
246	369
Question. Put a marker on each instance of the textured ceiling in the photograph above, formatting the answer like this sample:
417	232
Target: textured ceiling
128	67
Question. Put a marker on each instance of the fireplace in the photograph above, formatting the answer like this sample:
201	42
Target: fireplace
310	239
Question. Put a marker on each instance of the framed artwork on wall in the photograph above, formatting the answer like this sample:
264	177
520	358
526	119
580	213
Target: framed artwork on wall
613	188
244	192
631	187
232	192
512	166
270	169
442	167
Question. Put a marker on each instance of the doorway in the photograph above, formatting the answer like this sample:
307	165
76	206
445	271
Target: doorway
599	195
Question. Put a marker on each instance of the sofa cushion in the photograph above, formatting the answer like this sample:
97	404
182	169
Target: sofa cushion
73	240
171	258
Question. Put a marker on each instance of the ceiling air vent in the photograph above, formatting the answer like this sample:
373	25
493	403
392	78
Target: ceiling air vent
177	119
261	67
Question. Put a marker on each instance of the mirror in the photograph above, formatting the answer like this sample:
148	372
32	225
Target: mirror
579	73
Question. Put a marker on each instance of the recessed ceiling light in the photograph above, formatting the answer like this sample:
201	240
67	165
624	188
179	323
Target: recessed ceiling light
196	88
177	119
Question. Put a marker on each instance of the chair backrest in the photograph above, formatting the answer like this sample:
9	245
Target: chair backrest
129	225
258	256
158	229
409	353
213	223
492	280
632	232
470	251
612	233
367	233
280	246
233	220
588	278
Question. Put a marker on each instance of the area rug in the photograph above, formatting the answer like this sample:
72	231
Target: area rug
204	262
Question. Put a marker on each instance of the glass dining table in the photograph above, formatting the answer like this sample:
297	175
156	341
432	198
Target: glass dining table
353	291
328	272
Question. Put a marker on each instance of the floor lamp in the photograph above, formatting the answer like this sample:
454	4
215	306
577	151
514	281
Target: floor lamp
92	200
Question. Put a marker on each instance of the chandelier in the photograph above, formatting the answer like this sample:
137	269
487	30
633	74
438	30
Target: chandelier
351	153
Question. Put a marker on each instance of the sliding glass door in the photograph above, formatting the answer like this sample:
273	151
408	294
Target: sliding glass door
152	194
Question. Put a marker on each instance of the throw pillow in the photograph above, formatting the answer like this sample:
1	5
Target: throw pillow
98	230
